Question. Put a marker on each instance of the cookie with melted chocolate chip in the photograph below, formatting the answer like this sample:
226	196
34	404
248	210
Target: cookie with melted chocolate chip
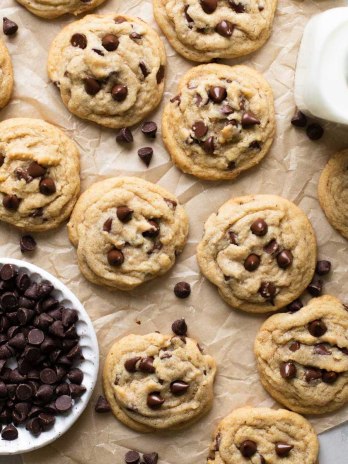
109	69
201	30
156	382
39	174
6	75
50	9
302	357
221	123
263	435
260	251
127	231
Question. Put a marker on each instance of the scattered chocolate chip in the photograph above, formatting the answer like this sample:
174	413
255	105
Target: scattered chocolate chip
160	74
144	69
47	186
227	109
252	262
317	328
132	457
288	370
199	129
284	259
146	365
267	290
296	305
315	287
102	405
9	27
150	458
312	373
36	170
9	433
130	364
119	92
27	243
314	131
153	231
179	387
124	136
299	119
79	40
249	120
209	145
179	327
149	129
110	42
115	257
259	227
135	36
217	94
182	290
283	449
321	349
11	202
124	213
323	267
237	7
294	346
92	85
154	400
271	247
209	6
329	377
145	154
248	448
224	28
233	238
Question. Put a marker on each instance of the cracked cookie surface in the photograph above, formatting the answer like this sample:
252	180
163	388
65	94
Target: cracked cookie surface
202	30
109	69
50	9
157	381
6	75
333	192
260	251
127	231
303	357
39	174
221	122
264	436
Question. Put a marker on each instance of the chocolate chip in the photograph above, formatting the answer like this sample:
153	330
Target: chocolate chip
294	346
296	305
110	42
145	154
182	290
323	267
314	131
315	287
7	272
154	400
179	387
119	92
149	129
312	373
27	243
329	377
209	145
92	85
115	257
224	28
144	69
299	119
288	370
135	36
46	421
36	170
18	342
124	213
317	328
232	237
9	301
36	337
209	6
199	129
248	448
259	227
48	376
160	74
98	52
76	391
102	405
249	119
130	364
124	136
150	458
11	202
267	290
120	20
9	433
63	403
132	457
179	327
283	449
153	231
217	94
146	365
24	392
321	350
284	259
176	99
2	160
252	262
47	186
9	27
79	40
271	247
237	7
34	426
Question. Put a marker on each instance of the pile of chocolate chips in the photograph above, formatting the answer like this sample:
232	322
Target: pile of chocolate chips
39	351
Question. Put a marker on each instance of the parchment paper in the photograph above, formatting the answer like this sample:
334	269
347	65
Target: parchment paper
291	169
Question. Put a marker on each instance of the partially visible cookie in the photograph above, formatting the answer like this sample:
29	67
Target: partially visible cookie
109	69
127	231
264	436
333	192
303	357
221	122
39	174
260	251
201	30
50	9
155	382
6	75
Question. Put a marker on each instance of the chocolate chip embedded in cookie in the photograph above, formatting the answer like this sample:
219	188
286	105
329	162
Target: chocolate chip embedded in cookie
6	75
105	73
263	435
333	192
303	357
221	123
158	381
201	30
127	231
260	251
39	174
50	9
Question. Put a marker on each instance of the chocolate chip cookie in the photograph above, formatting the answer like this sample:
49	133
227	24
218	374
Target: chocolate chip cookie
201	30
39	174
158	381
263	435
127	231
221	122
303	357
50	9
6	75
260	251
333	192
109	69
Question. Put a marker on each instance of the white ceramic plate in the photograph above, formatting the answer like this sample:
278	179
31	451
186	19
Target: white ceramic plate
89	366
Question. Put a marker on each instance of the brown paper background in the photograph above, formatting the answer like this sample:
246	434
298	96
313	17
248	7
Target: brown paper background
291	169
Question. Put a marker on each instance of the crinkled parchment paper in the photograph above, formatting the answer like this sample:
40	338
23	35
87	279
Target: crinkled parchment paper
291	169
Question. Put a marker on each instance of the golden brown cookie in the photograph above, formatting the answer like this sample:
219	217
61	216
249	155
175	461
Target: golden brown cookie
6	75
50	9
